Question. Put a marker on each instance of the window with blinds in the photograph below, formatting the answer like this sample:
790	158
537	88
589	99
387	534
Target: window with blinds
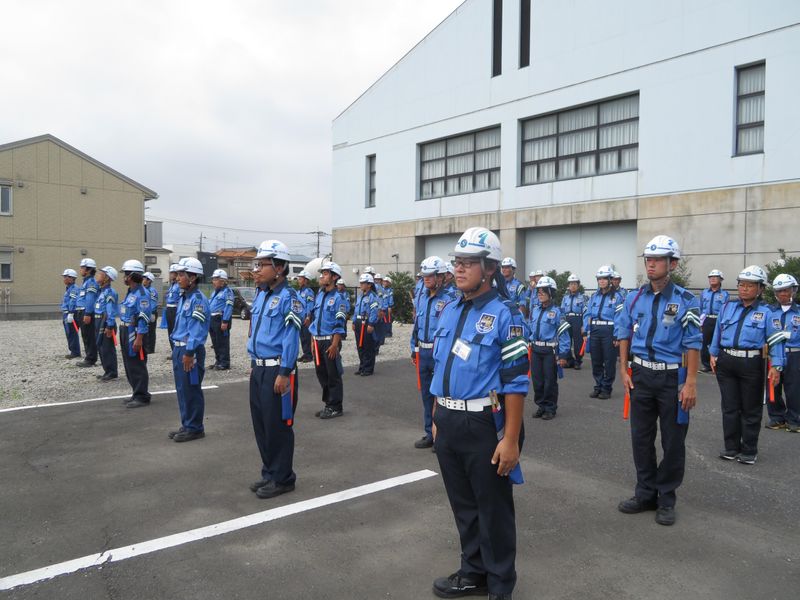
750	87
591	140
370	200
461	164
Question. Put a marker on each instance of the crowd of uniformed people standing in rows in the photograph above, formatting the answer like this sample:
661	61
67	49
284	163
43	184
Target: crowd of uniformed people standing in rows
480	338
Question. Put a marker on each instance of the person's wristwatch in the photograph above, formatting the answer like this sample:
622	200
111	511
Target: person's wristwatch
778	369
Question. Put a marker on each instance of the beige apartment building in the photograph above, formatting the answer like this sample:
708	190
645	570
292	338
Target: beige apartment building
57	206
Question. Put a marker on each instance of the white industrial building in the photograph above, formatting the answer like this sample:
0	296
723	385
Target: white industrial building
577	130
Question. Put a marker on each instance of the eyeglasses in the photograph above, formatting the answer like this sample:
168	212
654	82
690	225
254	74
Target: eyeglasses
260	264
466	263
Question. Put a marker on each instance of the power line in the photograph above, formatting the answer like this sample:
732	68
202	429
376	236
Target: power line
240	229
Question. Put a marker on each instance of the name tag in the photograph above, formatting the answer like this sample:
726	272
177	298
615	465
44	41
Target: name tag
461	349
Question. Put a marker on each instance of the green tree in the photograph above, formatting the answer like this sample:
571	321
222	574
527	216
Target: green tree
403	286
789	265
682	274
561	283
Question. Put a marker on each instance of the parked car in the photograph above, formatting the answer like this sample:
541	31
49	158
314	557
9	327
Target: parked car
243	301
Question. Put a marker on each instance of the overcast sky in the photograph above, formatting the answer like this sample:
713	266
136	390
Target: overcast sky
223	108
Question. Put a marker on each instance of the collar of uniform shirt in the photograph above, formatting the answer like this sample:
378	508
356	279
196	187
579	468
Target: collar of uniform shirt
666	290
483	299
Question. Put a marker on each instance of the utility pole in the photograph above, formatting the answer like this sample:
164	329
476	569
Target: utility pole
319	234
201	241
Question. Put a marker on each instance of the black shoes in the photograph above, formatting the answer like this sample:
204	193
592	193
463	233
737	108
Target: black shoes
458	586
539	413
329	413
729	454
108	377
747	459
220	368
254	487
776	425
305	359
84	364
548	416
604	395
272	489
136	403
635	505
665	515
356	372
424	442
188	436
594	394
172	434
71	356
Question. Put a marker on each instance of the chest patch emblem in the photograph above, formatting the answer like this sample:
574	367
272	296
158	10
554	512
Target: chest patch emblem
796	320
486	323
758	316
551	314
274	302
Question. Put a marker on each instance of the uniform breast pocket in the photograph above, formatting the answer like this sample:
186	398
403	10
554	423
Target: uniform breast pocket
440	344
755	331
482	349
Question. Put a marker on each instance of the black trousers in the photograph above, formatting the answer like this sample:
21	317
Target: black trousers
172	314
654	401
106	350
604	357
708	334
305	342
481	500
787	410
575	325
135	366
274	436
221	342
544	376
150	339
329	374
741	384
366	349
88	337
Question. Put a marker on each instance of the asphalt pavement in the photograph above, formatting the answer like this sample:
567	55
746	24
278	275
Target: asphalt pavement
84	478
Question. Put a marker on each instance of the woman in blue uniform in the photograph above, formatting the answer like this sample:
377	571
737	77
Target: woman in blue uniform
365	318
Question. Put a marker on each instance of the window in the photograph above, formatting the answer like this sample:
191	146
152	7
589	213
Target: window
371	181
524	33
460	165
750	85
150	260
497	37
5	200
5	266
590	140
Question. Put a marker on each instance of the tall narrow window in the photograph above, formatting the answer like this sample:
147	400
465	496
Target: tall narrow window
497	38
5	200
524	33
371	181
750	86
5	266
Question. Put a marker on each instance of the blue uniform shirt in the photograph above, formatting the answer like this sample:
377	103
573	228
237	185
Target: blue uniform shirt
307	298
748	328
70	298
516	290
480	347
191	321
622	291
389	297
173	294
275	326
222	302
135	309
345	296
789	322
105	306
367	306
602	307
548	325
419	290
428	313
87	295
711	302
381	293
330	314
531	299
153	299
574	304
663	325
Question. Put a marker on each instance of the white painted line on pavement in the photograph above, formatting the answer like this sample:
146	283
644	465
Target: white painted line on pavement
3	410
177	539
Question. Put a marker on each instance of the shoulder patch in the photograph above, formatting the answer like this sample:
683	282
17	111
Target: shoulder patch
514	331
297	306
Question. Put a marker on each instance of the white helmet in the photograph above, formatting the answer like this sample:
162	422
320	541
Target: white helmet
573	278
377	276
662	245
190	265
716	273
604	271
132	266
535	273
508	262
111	272
547	282
783	281
221	273
616	275
478	242
273	249
450	268
305	274
433	265
150	276
387	279
341	281
369	270
88	263
753	273
173	268
330	266
366	278
69	273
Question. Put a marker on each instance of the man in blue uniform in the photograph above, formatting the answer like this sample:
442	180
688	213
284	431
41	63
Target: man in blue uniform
105	320
531	298
327	328
365	318
431	305
712	299
273	343
306	295
84	312
71	328
516	289
341	288
150	342
387	286
189	353
743	328
598	324
660	325
786	315
616	282
171	305
480	358
221	306
380	326
549	336
134	317
573	307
